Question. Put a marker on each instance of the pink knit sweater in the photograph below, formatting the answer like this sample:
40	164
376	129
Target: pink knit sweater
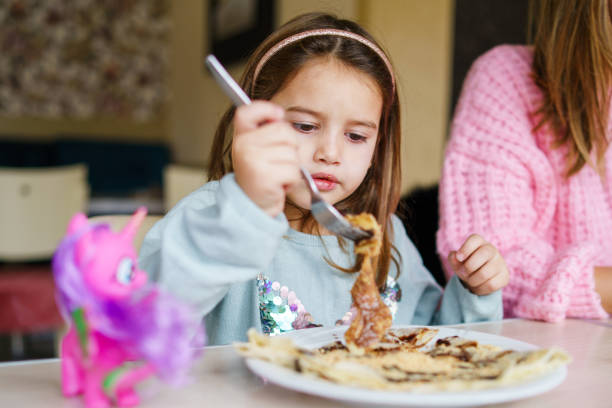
504	182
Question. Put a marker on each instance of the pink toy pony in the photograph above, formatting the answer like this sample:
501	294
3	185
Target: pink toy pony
122	330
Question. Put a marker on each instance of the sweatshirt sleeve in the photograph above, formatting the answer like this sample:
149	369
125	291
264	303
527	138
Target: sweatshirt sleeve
498	183
212	239
430	303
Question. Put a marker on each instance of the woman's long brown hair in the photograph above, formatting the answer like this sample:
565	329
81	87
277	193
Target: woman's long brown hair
379	192
572	65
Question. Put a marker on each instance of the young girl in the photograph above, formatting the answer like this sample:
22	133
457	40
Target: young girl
244	249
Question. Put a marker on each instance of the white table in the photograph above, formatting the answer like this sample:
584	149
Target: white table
222	379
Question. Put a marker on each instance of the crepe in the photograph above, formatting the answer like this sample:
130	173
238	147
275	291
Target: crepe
406	361
372	317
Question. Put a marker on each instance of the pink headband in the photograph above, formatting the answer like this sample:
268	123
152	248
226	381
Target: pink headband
323	31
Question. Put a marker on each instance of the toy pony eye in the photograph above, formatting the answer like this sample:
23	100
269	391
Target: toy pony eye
125	271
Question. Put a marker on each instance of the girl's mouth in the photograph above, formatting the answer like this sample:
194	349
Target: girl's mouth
324	181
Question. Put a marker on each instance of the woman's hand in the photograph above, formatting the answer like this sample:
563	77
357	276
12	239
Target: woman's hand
479	265
264	155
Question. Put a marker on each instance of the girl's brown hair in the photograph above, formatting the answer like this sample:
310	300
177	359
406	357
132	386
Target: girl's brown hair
379	192
572	66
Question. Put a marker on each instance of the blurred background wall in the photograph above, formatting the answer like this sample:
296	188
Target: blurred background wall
422	37
56	57
417	34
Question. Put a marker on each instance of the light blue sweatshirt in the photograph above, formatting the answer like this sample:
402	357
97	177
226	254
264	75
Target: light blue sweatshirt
216	250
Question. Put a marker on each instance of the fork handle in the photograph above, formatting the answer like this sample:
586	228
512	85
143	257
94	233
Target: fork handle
227	83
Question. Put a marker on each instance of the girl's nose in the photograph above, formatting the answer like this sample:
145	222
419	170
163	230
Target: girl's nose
329	148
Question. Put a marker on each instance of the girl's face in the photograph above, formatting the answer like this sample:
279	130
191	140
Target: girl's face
335	111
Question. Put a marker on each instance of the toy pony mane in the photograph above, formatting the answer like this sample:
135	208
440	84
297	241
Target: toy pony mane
72	291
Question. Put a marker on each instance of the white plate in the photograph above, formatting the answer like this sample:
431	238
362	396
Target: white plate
313	338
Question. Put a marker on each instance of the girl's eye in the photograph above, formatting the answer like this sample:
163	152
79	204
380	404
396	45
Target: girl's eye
304	127
356	137
125	271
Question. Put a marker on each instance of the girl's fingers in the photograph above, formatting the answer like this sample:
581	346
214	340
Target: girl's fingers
267	135
265	155
284	174
276	153
495	283
262	147
479	257
470	245
250	117
454	263
482	275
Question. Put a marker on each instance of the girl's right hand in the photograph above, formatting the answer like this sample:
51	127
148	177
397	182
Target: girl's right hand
264	155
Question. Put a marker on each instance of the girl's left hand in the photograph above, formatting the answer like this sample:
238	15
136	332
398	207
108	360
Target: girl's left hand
479	265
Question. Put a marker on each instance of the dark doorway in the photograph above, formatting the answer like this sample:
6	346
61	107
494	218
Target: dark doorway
481	25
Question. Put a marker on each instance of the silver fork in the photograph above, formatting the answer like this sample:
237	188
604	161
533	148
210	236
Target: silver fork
325	214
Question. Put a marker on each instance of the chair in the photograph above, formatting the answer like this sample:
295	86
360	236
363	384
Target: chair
36	206
179	181
117	222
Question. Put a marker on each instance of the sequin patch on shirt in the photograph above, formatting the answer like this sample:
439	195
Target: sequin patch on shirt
392	295
281	311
